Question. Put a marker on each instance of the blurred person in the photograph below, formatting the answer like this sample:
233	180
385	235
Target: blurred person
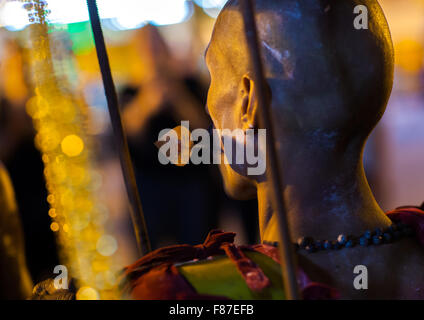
179	202
161	87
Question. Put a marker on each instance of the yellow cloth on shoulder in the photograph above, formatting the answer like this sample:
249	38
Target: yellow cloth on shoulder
220	277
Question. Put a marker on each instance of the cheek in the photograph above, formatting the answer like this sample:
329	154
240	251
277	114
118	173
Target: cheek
215	106
221	105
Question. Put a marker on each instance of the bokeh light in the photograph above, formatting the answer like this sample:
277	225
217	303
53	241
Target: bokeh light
54	226
13	16
123	15
107	245
211	7
60	119
134	14
72	145
87	293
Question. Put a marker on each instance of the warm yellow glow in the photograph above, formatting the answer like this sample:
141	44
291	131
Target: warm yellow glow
52	213
87	293
54	226
410	55
61	120
12	80
107	245
72	145
37	107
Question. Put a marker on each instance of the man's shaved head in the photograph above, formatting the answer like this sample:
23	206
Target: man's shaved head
329	81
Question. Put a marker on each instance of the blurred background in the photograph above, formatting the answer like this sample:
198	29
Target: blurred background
156	51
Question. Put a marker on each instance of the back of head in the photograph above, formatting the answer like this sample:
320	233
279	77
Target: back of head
326	76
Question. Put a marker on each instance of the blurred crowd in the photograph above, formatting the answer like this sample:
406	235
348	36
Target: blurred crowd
181	204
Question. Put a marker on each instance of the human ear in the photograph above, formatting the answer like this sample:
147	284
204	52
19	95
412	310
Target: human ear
249	104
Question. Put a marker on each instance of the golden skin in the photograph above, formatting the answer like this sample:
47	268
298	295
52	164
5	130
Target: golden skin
329	84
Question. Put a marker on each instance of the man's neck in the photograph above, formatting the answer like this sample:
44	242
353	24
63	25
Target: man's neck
324	196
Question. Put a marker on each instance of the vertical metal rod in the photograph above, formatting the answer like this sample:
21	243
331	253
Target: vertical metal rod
137	216
274	175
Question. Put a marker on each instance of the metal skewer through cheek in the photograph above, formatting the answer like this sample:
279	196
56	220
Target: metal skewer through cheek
274	175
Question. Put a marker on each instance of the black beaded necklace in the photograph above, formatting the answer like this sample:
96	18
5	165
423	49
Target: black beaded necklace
378	236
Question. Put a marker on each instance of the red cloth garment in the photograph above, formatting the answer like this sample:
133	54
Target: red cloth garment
155	276
165	283
144	280
411	216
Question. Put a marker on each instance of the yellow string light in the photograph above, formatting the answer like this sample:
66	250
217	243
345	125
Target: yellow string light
72	145
59	118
